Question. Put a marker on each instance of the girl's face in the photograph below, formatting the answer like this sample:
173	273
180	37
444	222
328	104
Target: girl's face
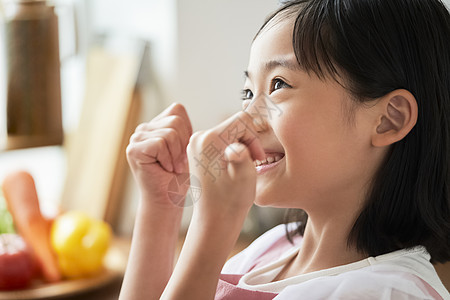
323	136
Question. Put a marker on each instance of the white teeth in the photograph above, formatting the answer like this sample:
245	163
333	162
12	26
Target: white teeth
268	160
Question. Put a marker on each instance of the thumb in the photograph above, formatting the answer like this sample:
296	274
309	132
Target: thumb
239	160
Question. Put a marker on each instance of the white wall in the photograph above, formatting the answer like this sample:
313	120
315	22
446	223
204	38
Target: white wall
214	39
151	20
200	47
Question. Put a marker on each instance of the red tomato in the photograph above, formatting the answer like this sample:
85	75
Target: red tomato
17	266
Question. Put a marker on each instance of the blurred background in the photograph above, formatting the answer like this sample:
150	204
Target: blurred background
123	62
101	67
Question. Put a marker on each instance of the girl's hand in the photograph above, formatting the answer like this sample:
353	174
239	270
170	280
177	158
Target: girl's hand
222	159
157	153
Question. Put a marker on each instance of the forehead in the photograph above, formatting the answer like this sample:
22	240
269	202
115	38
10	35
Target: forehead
273	42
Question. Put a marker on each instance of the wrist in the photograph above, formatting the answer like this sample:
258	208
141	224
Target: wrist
158	218
220	216
160	203
217	228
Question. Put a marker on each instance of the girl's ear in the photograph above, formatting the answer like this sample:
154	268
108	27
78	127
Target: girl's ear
397	115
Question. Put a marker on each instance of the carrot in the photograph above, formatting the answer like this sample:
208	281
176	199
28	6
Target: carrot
21	196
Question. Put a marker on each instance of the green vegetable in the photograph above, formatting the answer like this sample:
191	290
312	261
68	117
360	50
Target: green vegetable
6	220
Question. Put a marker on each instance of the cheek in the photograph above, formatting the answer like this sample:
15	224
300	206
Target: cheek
317	151
304	136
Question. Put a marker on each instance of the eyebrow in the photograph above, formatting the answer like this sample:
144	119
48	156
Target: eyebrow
290	64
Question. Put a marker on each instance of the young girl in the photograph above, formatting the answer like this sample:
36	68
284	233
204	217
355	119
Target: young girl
346	117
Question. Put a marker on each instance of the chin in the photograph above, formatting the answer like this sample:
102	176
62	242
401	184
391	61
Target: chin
261	203
263	197
267	200
266	197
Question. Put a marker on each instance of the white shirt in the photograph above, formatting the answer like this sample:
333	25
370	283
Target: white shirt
403	274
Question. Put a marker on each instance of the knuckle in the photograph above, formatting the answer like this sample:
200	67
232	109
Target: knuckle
205	138
171	134
243	115
210	136
175	121
131	151
141	127
178	108
135	137
208	133
195	137
160	142
198	140
194	143
189	149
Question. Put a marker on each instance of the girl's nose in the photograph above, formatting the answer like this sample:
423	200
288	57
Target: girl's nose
262	110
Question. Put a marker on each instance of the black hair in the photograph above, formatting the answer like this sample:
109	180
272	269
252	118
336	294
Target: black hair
376	47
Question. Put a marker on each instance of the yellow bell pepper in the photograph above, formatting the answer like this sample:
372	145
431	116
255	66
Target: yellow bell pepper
80	243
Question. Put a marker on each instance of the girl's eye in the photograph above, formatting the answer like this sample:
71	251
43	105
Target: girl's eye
278	83
247	94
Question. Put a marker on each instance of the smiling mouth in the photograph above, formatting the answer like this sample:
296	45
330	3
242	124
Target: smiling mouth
271	158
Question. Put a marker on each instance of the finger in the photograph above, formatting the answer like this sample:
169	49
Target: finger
175	122
241	128
174	144
176	109
149	151
239	160
182	164
164	157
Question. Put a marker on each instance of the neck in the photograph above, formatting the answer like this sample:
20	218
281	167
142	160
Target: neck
324	246
325	241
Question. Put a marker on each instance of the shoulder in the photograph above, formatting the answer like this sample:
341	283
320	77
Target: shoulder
361	284
413	264
269	246
405	274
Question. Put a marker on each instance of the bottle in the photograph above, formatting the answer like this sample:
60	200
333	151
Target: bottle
33	87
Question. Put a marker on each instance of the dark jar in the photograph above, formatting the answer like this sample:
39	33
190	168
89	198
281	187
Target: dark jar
33	87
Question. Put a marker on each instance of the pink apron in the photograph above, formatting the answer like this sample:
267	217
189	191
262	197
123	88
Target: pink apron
227	289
